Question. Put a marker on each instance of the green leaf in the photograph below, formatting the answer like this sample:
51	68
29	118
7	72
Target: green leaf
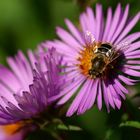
69	127
131	124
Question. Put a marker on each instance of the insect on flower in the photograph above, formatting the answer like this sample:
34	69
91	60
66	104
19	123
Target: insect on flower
102	56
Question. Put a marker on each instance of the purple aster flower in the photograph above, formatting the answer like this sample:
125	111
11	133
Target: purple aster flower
25	89
7	133
102	57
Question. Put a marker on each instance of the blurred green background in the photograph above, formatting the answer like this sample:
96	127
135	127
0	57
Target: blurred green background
26	23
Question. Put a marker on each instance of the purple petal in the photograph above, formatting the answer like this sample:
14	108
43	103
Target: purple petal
99	96
115	22
133	62
70	91
32	58
99	22
109	97
75	104
132	67
126	80
122	88
68	38
131	38
121	24
26	65
18	72
92	22
4	91
92	97
62	48
83	22
119	91
131	72
128	28
108	24
116	97
133	57
133	47
74	31
133	53
117	102
105	96
84	102
7	77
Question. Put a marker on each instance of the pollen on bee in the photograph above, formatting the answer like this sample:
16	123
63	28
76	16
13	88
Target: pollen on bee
94	60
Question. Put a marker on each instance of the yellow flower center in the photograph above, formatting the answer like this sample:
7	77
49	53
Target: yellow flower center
12	128
85	60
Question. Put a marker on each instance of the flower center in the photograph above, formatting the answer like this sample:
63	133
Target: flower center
12	128
95	59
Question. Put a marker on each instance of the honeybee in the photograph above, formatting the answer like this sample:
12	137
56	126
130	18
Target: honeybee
103	55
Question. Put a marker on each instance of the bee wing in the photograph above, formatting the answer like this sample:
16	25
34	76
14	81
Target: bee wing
119	48
123	46
89	38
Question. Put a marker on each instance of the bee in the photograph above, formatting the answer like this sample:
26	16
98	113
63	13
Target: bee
104	55
102	58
